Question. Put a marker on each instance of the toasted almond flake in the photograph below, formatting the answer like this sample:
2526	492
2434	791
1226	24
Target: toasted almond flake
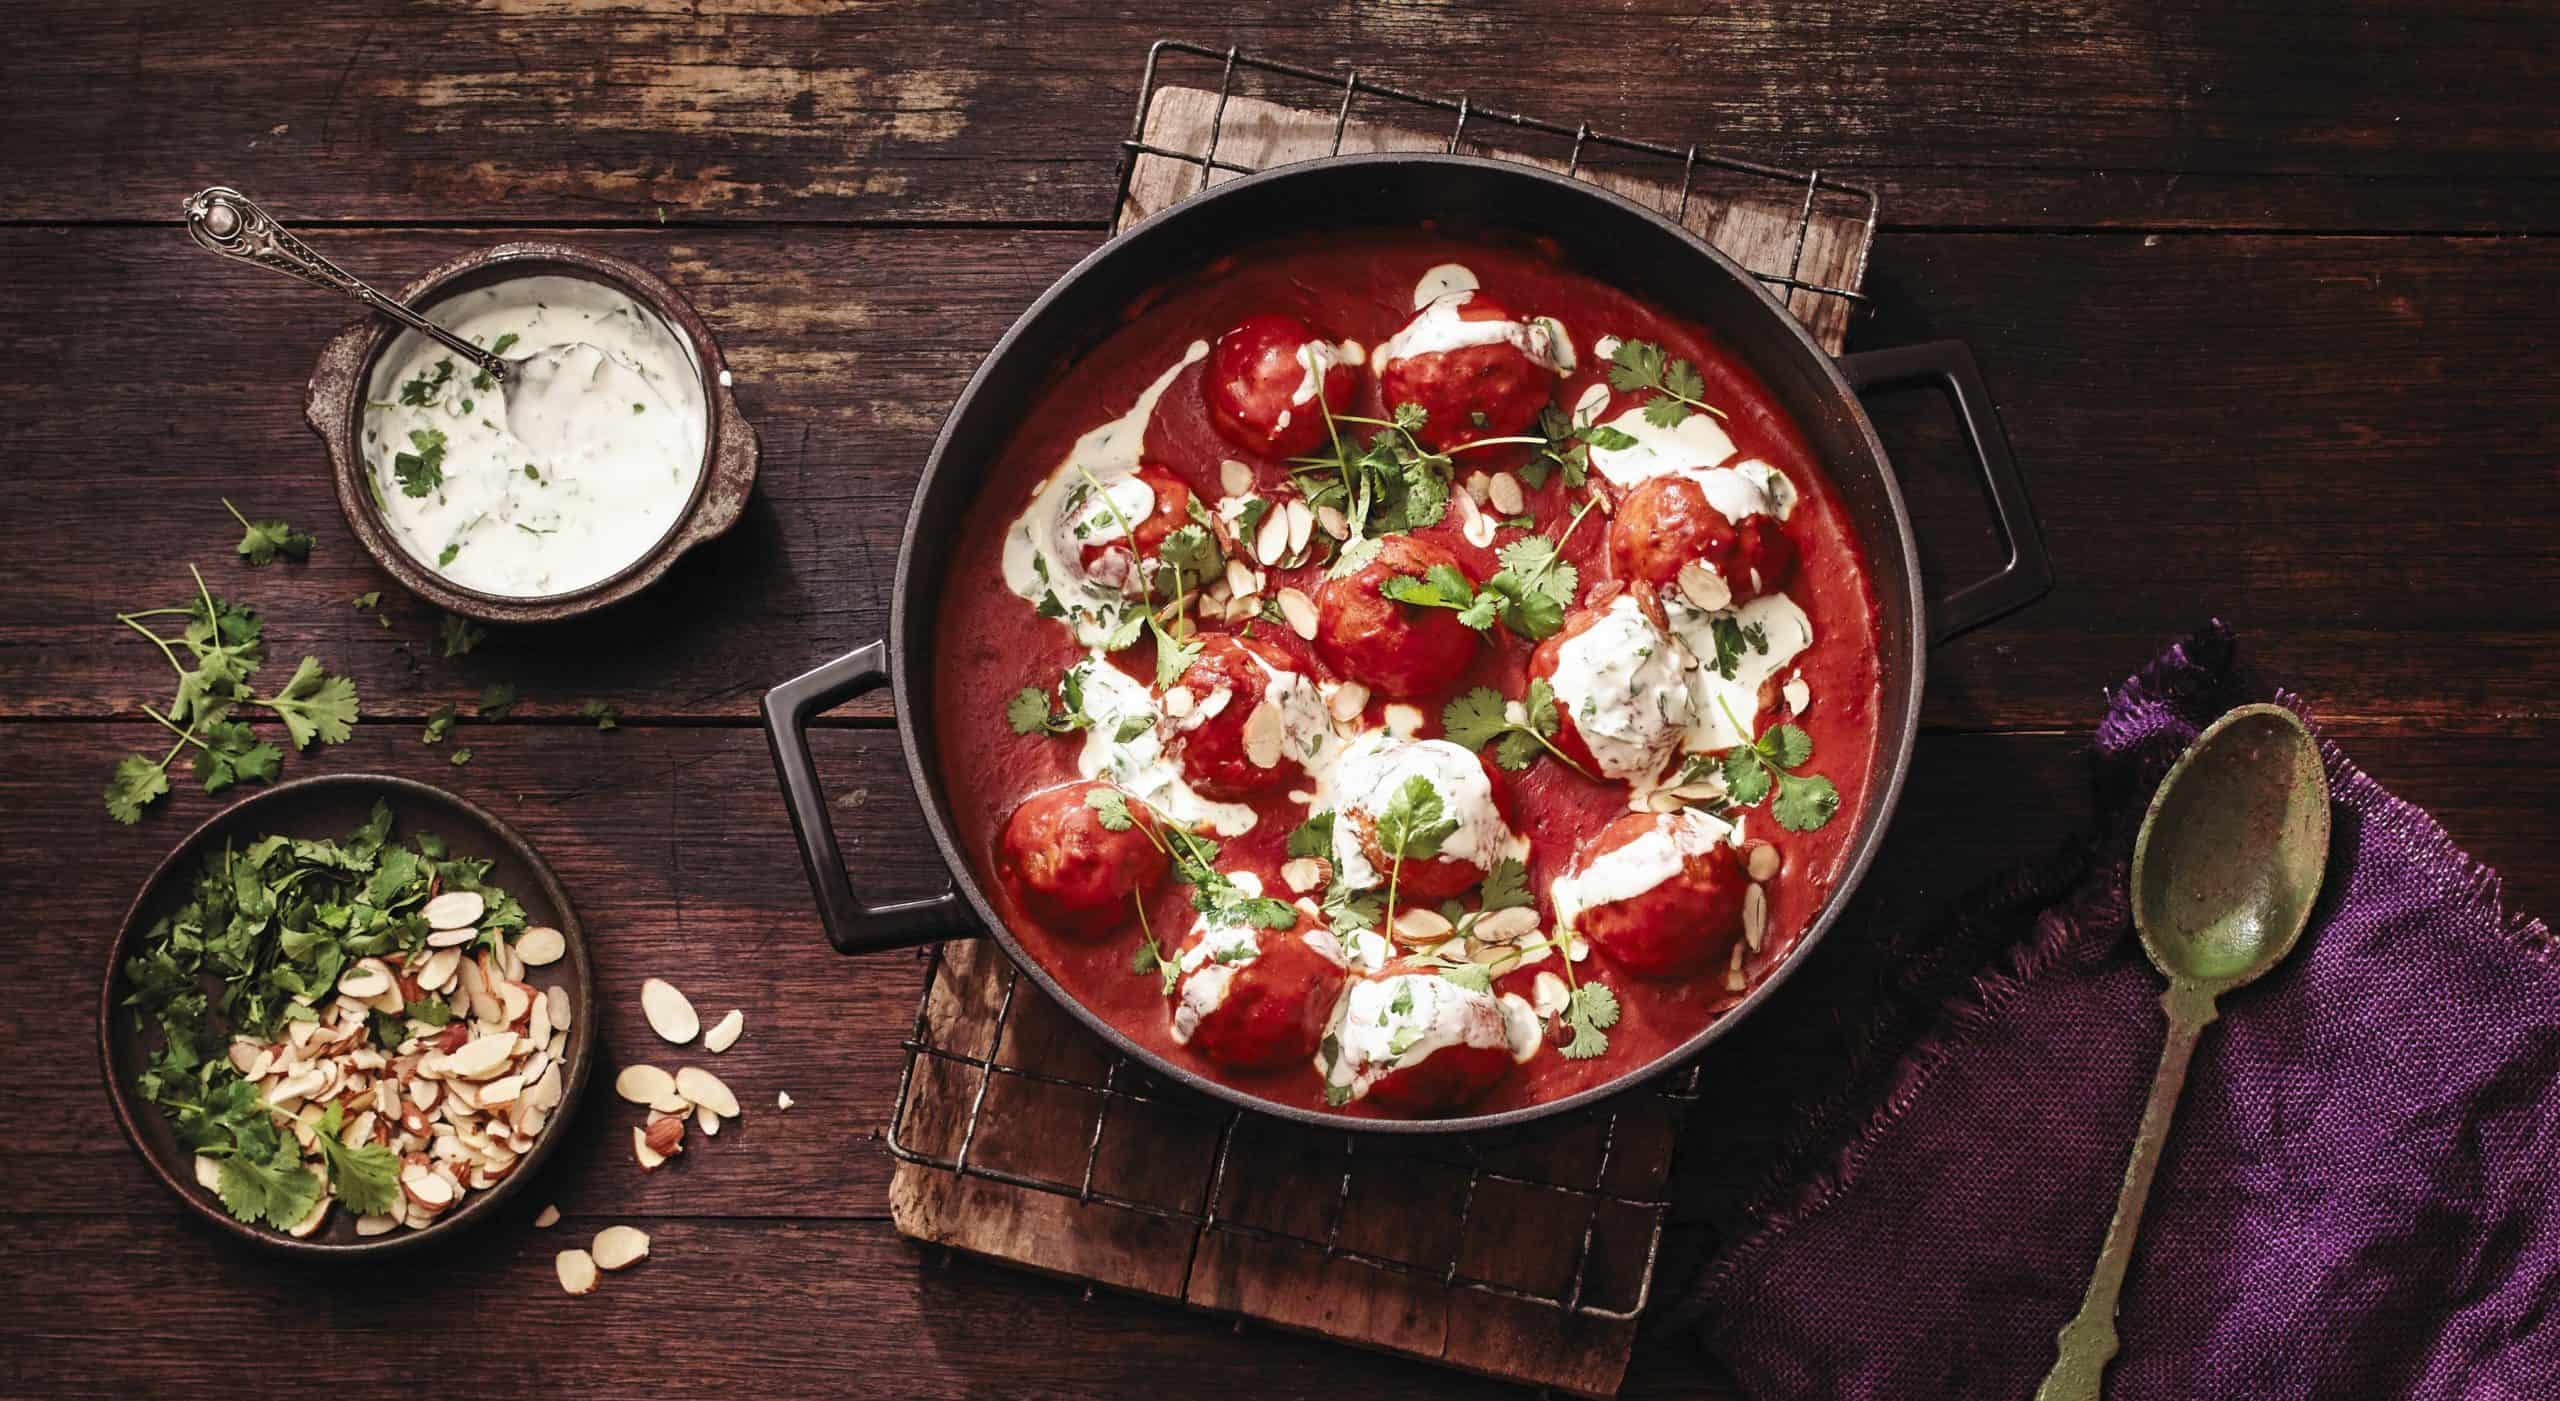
650	1159
1704	587
1661	800
546	1218
455	909
577	1271
1302	873
1755	916
1549	994
644	1084
208	1173
1761	861
451	938
1476	485
481	1056
671	1103
308	1224
1300	610
1503	494
427	1187
1262	734
541	946
702	1087
1178	702
1302	528
1349	700
537	1027
376	1225
368	979
1270	539
514	1000
1331	520
546	1091
670	1015
620	1246
502	1091
1420	926
1236	477
1798	695
559	999
1473	523
706	1121
1698	792
1504	926
782	1101
724	1033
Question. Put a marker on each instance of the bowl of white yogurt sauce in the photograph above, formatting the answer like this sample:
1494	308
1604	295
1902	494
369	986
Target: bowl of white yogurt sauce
576	490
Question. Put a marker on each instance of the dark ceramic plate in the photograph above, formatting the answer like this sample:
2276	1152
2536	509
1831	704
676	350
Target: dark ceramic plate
333	805
334	404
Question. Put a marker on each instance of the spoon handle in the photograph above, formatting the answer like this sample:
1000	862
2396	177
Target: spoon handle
2088	1341
226	221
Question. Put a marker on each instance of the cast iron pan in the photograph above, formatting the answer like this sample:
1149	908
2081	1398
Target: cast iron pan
1606	236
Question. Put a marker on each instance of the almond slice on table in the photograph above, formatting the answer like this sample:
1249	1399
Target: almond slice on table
619	1246
455	909
782	1101
546	1218
650	1158
670	1014
724	1033
706	1089
577	1271
644	1084
541	946
707	1121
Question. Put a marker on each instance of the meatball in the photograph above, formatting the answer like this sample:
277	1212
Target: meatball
1395	649
1374	774
1474	368
1264	380
1168	509
1249	718
1620	688
1665	523
1415	1043
1658	894
1067	869
1255	998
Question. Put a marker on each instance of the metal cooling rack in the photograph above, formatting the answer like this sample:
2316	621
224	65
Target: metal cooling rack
1126	1087
1346	89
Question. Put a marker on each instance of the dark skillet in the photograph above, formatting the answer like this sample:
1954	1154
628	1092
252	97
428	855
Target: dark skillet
1599	233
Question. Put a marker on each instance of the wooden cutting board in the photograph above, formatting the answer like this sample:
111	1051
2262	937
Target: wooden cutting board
1023	1138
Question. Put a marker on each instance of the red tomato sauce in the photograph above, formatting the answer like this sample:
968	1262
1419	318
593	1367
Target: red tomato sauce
991	644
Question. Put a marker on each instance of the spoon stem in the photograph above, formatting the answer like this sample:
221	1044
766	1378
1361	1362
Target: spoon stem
2088	1341
229	223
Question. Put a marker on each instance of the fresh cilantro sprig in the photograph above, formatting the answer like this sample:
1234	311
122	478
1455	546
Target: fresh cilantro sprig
1217	897
1565	446
456	636
421	472
367	1179
1752	772
1528	595
1412	827
1483	717
1031	710
1676	386
1389	485
262	541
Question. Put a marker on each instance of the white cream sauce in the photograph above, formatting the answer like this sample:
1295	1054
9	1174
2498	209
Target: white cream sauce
597	463
1626	685
1625	872
1697	441
1044	547
1439	327
1717	702
1140	763
1316	359
1365	781
1384	1024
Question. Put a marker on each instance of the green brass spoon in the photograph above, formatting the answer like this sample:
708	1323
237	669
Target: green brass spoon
2225	870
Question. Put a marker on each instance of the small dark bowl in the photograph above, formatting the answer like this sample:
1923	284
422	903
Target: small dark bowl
332	805
335	407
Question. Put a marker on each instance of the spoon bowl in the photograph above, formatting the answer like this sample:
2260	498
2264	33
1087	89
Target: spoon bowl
2231	852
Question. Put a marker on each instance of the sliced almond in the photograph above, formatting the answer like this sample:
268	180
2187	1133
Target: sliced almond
1302	873
376	1225
620	1246
1236	477
481	1056
650	1158
208	1173
670	1015
1271	538
537	1027
1302	528
1798	695
724	1033
452	938
501	1091
1475	485
1262	732
782	1101
546	1218
1704	587
1504	926
577	1271
1755	916
1504	495
1349	700
644	1084
1333	522
514	1000
706	1121
541	946
455	909
1178	702
1761	862
1300	610
370	978
1473	523
702	1087
559	999
308	1224
1240	580
1420	926
671	1103
427	1187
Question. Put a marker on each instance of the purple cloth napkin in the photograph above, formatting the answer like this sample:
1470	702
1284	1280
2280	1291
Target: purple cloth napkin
2361	1193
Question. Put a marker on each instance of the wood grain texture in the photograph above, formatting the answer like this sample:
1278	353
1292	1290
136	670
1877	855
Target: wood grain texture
2403	115
2342	445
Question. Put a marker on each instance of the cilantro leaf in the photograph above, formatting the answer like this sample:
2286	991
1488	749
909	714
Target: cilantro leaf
1173	656
233	753
421	472
460	757
279	1190
456	636
262	541
135	783
498	697
315	705
1506	886
1677	387
1476	719
366	1178
1313	837
1805	802
1787	746
1028	711
439	724
606	715
1415	822
1482	717
1112	806
1746	776
1589	1013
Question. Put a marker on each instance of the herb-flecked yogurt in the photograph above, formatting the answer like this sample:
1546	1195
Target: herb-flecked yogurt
599	462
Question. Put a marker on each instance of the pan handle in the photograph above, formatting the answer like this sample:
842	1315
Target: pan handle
852	926
2028	575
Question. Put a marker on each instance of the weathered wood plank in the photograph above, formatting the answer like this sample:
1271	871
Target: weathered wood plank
2343	445
2398	116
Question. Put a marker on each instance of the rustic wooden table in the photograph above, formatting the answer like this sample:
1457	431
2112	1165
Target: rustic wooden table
2249	290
